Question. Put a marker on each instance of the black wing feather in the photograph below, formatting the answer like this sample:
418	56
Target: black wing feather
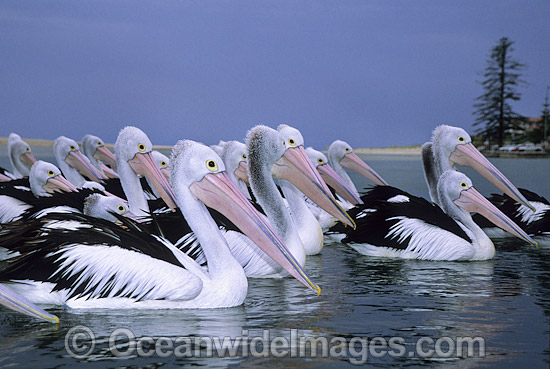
373	226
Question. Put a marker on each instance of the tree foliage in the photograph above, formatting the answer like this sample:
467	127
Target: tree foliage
494	113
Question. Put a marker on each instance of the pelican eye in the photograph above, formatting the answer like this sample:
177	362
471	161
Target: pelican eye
212	166
463	184
243	156
284	143
27	149
347	149
291	142
121	208
72	147
99	143
461	139
163	164
51	173
141	147
320	161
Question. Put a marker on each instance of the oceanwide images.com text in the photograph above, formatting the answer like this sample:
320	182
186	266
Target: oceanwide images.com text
80	343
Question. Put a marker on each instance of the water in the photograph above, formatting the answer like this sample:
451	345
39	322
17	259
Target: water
506	301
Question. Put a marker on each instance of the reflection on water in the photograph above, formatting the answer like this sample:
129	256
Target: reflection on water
505	300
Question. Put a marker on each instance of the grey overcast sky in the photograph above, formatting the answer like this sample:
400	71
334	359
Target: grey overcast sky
374	73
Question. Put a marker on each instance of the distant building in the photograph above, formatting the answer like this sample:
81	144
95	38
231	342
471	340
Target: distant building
530	123
522	130
530	129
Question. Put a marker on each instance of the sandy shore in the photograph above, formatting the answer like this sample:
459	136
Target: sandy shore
49	143
30	141
411	150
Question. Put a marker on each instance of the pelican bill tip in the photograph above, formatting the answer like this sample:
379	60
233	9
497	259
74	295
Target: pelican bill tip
318	291
52	318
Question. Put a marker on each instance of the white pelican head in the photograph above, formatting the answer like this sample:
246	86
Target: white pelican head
453	145
99	206
455	188
94	147
284	154
21	157
235	159
46	179
68	156
134	156
320	161
341	152
163	163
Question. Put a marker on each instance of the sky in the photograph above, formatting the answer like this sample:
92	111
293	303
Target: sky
373	73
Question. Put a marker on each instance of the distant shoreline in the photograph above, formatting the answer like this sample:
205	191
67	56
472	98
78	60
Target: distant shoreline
405	150
409	150
49	143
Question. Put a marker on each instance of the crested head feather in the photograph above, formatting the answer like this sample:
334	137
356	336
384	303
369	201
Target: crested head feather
90	202
438	131
282	126
129	135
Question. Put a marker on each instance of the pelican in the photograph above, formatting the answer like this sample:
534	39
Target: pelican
534	223
106	207
50	192
341	155
320	162
95	150
16	198
21	157
133	154
101	265
394	223
292	168
163	162
451	146
332	178
269	157
233	154
306	223
73	163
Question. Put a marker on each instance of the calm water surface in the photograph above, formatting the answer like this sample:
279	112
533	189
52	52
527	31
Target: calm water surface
506	301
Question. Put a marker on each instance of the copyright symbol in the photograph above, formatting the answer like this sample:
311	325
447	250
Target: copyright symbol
80	342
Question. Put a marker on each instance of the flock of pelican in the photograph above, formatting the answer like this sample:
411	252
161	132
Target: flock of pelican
136	229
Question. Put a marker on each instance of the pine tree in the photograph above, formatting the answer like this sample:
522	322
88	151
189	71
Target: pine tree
494	114
545	118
